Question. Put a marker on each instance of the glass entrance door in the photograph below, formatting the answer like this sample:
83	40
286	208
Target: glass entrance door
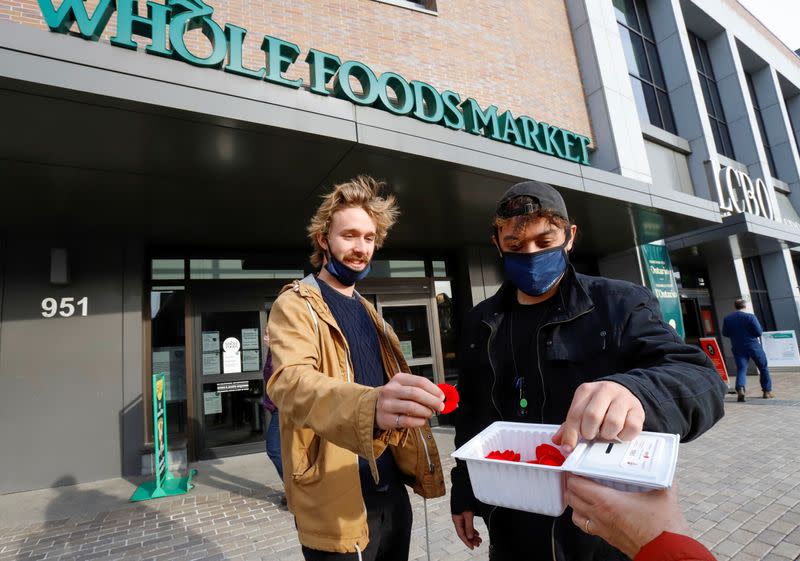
414	319
229	352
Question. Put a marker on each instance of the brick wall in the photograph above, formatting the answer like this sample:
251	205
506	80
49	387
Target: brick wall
517	54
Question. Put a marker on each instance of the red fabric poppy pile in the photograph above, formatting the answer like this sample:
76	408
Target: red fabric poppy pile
546	455
450	398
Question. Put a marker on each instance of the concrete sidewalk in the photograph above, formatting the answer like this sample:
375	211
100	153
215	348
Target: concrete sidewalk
739	485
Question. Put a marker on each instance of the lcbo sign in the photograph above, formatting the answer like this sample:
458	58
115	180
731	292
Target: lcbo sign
166	24
742	195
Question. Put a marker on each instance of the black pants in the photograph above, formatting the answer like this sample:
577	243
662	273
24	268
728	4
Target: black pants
389	521
523	536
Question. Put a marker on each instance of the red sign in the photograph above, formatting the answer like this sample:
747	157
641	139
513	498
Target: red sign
708	322
711	348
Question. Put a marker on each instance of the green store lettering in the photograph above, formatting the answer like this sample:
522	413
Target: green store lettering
165	26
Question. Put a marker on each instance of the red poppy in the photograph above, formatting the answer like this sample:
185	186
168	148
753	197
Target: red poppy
507	455
450	398
547	455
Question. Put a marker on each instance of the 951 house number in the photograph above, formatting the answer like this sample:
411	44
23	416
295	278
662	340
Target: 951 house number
66	307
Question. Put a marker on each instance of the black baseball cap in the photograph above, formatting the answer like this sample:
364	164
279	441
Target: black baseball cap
542	195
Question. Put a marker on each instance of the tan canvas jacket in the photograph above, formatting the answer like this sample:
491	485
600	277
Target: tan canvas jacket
327	421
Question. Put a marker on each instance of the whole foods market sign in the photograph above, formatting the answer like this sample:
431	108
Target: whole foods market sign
166	24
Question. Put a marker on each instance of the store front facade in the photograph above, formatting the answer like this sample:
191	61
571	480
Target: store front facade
154	206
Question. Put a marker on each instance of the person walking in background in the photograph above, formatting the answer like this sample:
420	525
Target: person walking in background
272	434
743	329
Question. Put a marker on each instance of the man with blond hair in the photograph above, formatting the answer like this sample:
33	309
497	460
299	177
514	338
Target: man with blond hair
354	422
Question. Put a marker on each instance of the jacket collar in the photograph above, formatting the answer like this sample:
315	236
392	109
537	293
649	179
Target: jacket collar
571	300
308	288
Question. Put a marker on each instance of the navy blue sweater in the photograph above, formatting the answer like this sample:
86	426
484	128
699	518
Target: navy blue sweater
365	353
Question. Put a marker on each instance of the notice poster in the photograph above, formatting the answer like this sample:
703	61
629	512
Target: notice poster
231	357
780	348
711	348
658	272
210	341
250	338
171	361
161	361
212	403
210	364
407	349
237	386
250	362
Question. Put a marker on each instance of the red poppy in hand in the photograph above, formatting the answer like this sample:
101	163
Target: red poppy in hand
450	398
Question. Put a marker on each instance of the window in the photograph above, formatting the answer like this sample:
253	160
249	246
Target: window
644	65
758	292
168	344
215	269
719	127
167	269
761	129
397	268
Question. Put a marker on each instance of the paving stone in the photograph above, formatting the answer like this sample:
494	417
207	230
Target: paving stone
726	547
757	548
792	551
743	508
744	556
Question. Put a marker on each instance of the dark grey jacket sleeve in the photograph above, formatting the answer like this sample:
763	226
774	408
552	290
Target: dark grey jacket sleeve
676	383
468	422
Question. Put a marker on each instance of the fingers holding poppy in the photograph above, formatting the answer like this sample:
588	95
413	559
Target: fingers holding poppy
451	398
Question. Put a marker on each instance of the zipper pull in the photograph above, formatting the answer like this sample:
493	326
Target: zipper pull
603	335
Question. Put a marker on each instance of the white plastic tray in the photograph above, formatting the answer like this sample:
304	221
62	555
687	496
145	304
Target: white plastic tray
517	485
647	462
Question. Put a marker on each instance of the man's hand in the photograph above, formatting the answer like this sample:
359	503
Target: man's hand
407	401
601	410
466	530
626	520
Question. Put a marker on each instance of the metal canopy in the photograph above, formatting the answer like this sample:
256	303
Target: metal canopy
81	163
755	236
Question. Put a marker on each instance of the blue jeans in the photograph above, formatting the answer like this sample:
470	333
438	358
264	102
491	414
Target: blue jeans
742	358
273	438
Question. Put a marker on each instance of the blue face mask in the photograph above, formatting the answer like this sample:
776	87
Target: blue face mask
343	273
536	273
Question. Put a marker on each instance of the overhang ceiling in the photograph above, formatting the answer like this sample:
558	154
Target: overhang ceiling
76	163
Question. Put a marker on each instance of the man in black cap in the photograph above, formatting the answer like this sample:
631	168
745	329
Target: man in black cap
557	347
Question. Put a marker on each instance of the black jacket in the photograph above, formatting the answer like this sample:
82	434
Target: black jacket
596	329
